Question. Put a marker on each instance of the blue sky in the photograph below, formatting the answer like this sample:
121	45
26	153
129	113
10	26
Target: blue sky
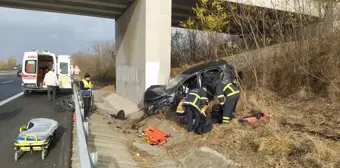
23	30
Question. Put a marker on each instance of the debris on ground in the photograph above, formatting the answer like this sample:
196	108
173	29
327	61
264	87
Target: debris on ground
65	105
120	115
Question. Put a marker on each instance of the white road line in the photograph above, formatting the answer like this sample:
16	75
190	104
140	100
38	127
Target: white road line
7	81
11	98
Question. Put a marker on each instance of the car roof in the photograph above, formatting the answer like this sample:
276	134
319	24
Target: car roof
203	66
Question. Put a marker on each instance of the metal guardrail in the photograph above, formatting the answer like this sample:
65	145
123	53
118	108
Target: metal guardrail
86	159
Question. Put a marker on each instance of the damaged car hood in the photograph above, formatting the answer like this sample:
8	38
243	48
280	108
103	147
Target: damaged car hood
155	92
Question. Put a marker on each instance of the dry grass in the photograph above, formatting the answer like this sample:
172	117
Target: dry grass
298	85
311	65
109	88
296	135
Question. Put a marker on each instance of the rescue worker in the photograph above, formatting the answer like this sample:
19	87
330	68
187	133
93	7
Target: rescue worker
228	95
192	115
86	94
51	80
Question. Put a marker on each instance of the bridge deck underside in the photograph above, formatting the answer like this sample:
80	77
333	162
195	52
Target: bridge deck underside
181	10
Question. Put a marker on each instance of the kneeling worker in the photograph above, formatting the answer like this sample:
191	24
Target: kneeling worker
228	95
192	114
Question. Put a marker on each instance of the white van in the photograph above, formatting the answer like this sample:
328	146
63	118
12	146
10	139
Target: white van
36	64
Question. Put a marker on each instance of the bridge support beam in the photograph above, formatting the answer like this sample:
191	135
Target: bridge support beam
143	47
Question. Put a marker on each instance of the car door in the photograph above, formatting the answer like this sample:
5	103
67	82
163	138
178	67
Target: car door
64	72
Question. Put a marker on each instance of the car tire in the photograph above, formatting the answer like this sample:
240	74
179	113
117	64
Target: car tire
147	109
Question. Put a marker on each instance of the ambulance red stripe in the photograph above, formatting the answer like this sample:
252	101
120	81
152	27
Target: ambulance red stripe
27	77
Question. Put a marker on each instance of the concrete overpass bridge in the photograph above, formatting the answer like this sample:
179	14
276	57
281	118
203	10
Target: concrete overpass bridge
181	9
143	32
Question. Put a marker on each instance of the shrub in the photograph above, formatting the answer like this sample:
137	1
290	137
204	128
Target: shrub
98	61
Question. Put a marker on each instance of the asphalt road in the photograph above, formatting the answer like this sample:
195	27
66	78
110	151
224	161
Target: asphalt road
9	85
18	112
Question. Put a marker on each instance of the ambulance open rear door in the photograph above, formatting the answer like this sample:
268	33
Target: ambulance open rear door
64	72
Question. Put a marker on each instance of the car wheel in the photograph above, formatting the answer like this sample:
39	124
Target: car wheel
148	109
159	110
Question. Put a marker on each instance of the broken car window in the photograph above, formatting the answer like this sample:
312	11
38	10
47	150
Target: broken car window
210	77
174	82
184	89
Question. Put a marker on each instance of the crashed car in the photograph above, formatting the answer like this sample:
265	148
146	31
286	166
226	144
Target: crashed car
157	97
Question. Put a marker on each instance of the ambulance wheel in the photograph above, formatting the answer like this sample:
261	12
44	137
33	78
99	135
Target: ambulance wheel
25	92
43	154
16	155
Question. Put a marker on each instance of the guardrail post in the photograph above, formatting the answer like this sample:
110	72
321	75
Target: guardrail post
86	127
82	114
94	158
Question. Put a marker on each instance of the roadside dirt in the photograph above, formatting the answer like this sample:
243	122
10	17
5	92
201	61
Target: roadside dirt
300	133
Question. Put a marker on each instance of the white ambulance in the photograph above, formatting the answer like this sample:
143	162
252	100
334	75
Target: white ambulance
37	63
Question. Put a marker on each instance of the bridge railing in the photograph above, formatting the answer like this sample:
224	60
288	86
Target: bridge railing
86	159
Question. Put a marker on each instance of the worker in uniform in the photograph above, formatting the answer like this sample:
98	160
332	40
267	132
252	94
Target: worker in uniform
228	95
86	94
192	114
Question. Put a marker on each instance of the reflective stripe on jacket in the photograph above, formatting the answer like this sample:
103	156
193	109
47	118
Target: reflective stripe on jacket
225	89
87	85
196	98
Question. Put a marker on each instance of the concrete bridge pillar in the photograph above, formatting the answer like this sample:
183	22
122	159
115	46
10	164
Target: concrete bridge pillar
143	44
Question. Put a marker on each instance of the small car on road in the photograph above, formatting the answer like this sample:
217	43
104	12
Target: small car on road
19	73
157	97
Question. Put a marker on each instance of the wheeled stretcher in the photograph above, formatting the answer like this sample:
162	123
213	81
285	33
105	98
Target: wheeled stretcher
36	136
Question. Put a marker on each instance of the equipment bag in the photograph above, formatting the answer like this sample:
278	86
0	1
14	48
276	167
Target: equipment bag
258	116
